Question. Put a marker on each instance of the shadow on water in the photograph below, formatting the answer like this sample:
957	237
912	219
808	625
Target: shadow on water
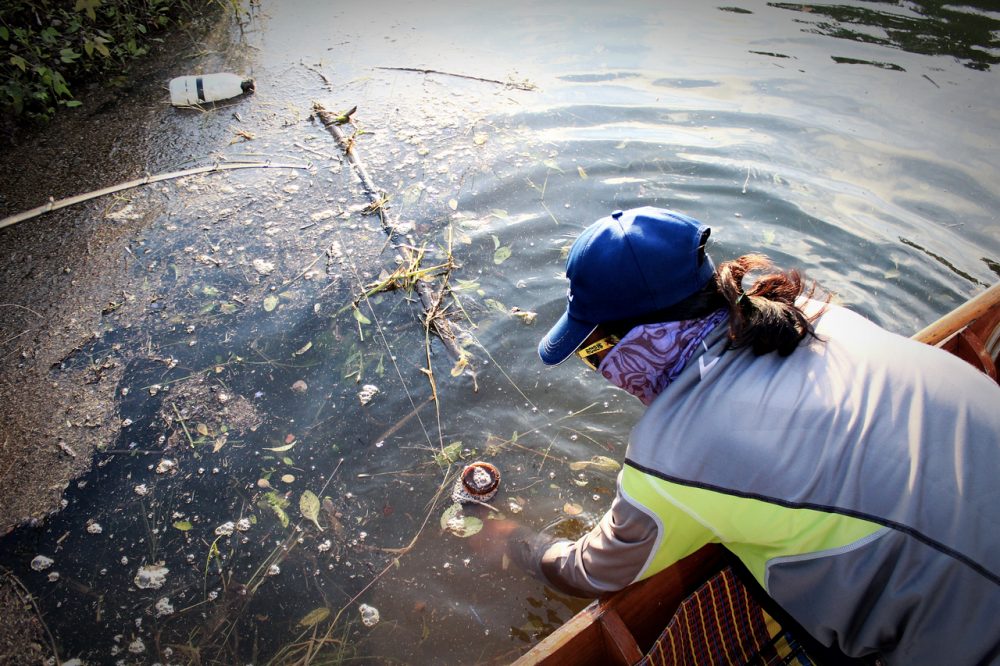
287	446
967	32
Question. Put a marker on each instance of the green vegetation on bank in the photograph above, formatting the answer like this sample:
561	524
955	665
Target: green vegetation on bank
49	47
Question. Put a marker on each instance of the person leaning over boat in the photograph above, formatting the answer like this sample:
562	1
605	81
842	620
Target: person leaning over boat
853	471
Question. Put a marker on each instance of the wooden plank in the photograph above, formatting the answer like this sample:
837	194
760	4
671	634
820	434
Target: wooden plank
644	608
960	317
619	644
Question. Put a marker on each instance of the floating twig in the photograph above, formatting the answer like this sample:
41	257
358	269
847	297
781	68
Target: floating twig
519	85
429	299
80	198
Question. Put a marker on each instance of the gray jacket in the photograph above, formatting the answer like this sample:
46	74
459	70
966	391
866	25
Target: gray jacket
857	479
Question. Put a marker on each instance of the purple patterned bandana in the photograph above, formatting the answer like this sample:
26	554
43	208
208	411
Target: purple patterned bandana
651	356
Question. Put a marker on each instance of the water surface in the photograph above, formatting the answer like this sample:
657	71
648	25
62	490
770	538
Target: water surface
856	140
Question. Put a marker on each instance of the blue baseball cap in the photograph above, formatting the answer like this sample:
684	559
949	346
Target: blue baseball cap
626	265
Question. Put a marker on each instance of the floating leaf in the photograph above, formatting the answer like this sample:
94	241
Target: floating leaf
769	236
479	139
448	454
315	616
360	317
281	449
183	525
601	463
460	365
452	520
219	443
502	254
309	506
227	308
210	291
270	302
495	305
288	478
572	509
580	170
276	503
526	316
551	164
202	429
453	204
304	349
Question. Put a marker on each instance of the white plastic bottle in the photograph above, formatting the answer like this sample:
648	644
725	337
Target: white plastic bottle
201	88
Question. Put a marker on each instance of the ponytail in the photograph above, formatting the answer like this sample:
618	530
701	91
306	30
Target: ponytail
764	316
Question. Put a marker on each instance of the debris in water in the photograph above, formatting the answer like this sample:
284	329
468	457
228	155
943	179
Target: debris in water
478	482
151	576
243	524
367	392
287	478
165	466
141	490
526	316
137	646
94	527
53	577
572	509
300	387
225	529
41	563
369	615
273	570
324	546
454	521
263	267
309	507
164	607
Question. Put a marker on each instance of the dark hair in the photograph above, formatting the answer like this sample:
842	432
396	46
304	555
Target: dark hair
763	317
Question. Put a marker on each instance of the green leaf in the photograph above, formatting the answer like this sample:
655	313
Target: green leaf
90	6
452	520
183	525
4	34
19	62
448	454
360	317
282	449
501	255
210	291
277	504
309	507
68	55
270	303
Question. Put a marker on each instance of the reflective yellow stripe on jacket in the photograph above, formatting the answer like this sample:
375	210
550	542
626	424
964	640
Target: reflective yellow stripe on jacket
758	532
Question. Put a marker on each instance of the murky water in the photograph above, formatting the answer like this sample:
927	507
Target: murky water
858	141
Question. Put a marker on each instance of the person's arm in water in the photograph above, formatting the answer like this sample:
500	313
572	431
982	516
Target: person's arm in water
609	557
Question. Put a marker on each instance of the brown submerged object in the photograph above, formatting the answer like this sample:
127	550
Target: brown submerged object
478	482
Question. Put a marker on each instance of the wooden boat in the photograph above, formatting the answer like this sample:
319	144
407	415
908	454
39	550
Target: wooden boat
621	628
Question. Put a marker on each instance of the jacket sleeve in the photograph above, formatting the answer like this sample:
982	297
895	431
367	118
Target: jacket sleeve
618	551
608	558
